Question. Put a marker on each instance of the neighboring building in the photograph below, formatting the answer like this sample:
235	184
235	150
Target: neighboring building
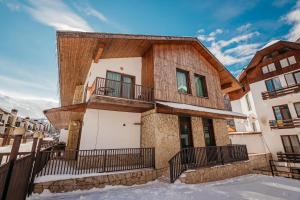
3	119
133	91
271	100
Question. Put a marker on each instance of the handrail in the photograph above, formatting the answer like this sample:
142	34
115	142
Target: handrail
281	124
281	92
113	88
191	158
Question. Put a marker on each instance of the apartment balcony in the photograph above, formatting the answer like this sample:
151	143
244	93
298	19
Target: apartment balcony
280	92
119	95
284	124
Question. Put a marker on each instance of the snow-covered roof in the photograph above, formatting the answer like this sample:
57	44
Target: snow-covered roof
270	43
202	109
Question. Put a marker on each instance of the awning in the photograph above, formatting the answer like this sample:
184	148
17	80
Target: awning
186	109
61	117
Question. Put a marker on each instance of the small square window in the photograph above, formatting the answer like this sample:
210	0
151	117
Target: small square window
271	67
265	69
284	63
292	60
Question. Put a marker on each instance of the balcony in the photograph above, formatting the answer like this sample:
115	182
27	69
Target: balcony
280	92
284	124
118	89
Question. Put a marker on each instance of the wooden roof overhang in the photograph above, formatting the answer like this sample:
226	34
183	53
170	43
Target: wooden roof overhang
77	50
61	117
184	109
268	50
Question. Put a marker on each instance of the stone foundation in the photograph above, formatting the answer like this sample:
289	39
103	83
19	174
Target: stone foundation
221	172
85	183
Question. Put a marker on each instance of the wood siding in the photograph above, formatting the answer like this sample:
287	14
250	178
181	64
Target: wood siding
169	57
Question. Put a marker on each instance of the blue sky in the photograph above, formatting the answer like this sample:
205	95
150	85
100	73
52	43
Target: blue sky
232	30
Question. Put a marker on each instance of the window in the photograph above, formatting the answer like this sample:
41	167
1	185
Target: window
290	143
273	84
254	127
18	124
119	85
268	68
248	102
292	60
1	115
282	112
292	78
284	63
183	81
201	89
287	61
297	108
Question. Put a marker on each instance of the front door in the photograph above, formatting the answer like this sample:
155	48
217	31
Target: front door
210	142
186	140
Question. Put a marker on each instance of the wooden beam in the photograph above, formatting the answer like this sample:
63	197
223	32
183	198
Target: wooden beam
226	85
98	52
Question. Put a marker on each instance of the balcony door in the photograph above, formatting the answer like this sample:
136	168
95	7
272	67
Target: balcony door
291	143
186	138
282	112
119	85
208	130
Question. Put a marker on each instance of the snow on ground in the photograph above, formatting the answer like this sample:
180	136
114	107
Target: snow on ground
250	187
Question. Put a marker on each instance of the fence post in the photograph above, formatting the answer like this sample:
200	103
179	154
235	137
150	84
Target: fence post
13	156
36	146
271	166
104	161
221	155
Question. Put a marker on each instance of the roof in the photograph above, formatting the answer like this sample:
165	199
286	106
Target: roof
76	51
201	111
267	49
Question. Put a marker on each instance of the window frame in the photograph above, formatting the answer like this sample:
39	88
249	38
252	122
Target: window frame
248	102
272	81
281	111
290	141
268	68
188	82
294	77
298	114
205	91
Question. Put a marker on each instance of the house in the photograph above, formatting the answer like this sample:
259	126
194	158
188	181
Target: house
3	119
137	91
270	97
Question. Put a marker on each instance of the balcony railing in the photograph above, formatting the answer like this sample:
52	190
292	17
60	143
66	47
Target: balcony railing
112	88
280	92
282	124
192	158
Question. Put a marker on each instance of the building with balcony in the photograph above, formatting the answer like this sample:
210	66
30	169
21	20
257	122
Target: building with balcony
138	91
271	99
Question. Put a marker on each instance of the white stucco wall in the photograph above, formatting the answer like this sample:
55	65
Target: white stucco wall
254	142
264	113
103	129
130	66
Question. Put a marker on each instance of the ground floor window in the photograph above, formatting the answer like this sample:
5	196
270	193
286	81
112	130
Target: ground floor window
186	137
208	130
291	143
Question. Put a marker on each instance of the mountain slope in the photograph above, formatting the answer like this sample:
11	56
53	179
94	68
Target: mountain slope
32	108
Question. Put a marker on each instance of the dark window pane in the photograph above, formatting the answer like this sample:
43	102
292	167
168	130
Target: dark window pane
248	102
182	81
200	86
295	143
269	85
297	108
285	112
277	113
287	144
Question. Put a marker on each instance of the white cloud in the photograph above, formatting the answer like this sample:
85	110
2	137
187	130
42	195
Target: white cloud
235	50
88	10
244	27
56	14
293	18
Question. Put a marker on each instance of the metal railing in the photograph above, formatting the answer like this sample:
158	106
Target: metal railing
94	161
281	124
280	92
289	157
191	158
112	88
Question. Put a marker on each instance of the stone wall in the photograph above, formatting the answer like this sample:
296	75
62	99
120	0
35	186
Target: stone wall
85	183
221	133
221	172
160	131
73	135
197	131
